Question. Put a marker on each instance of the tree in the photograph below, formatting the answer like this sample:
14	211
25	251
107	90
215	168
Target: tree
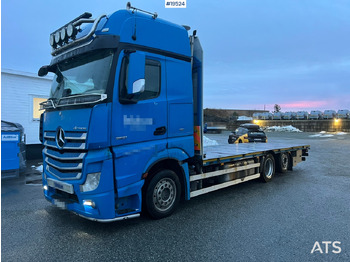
276	108
234	116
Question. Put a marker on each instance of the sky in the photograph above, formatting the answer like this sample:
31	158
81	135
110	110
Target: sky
257	53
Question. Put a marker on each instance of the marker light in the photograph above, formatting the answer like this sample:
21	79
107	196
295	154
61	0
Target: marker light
57	37
45	187
63	34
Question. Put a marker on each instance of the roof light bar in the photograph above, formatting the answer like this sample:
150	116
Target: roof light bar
62	35
65	37
59	37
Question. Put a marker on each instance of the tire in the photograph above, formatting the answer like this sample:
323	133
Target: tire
163	194
283	163
267	169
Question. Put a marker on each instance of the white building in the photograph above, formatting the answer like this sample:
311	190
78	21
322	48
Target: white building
21	94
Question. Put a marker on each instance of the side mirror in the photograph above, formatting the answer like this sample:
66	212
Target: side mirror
43	70
138	86
136	73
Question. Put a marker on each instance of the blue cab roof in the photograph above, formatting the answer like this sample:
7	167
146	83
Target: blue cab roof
154	33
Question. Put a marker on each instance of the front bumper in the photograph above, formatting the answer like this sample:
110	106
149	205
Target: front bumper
104	204
105	208
72	202
111	220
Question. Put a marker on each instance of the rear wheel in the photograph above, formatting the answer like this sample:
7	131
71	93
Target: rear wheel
283	162
268	168
163	194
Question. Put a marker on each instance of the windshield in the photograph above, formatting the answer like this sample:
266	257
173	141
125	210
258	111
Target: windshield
83	75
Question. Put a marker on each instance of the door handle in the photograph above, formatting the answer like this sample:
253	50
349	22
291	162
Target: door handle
160	131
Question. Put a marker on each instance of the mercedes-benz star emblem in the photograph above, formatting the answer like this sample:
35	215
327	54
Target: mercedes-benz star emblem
60	138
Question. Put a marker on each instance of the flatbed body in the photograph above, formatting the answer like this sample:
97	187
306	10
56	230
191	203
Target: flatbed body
231	152
228	165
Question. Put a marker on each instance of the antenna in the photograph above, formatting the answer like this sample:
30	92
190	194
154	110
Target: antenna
128	7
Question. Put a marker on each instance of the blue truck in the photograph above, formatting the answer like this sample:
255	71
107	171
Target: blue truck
123	127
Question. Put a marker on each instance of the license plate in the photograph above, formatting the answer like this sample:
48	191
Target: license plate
59	204
60	185
257	139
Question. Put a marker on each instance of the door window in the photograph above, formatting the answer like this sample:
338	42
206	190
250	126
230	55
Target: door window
152	82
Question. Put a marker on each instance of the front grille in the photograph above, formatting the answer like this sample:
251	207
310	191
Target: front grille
65	163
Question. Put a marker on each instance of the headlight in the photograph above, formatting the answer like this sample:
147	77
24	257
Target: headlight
91	183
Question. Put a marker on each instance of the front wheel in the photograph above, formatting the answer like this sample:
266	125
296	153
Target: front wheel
268	168
163	194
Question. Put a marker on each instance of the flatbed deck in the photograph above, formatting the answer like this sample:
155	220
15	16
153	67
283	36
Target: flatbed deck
230	152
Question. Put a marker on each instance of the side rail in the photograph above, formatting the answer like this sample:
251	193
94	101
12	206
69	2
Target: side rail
224	175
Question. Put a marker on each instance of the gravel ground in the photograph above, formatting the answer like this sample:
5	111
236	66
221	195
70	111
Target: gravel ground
277	221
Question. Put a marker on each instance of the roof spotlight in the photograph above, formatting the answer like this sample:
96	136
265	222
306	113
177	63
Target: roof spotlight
63	34
58	37
71	30
52	40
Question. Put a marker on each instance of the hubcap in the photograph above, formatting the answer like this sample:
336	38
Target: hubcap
284	158
268	168
164	194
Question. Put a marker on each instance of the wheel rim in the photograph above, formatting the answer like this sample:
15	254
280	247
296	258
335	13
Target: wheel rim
164	194
284	161
268	168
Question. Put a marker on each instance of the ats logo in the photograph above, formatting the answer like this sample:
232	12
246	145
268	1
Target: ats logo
326	247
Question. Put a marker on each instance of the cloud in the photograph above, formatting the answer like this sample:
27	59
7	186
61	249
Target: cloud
303	105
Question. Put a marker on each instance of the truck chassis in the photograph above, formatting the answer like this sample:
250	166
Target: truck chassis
248	161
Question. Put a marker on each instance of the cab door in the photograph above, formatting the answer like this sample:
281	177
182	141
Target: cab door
140	115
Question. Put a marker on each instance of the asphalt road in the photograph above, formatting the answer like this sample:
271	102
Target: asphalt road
253	221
